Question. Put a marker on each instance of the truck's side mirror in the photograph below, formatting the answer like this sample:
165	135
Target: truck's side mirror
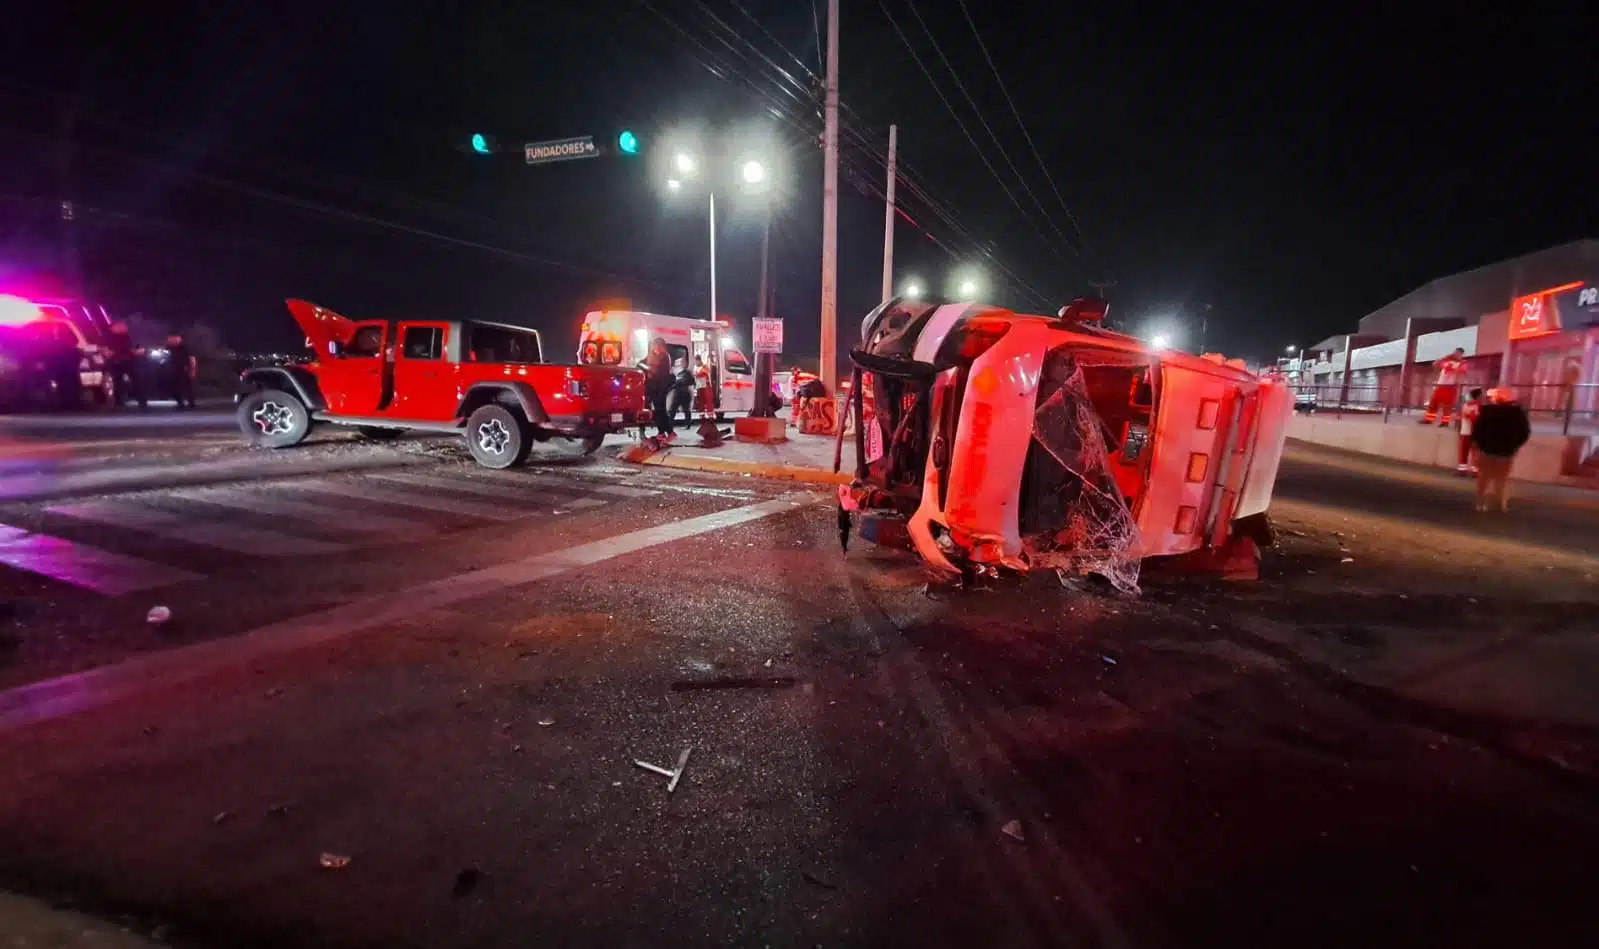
335	349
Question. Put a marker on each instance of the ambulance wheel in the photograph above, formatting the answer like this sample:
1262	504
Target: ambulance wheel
272	418
498	436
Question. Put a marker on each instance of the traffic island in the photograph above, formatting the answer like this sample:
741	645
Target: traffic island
766	431
803	458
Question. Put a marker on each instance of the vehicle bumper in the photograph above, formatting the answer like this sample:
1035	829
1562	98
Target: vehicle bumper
598	423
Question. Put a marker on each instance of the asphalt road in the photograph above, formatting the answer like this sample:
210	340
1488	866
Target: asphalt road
1391	739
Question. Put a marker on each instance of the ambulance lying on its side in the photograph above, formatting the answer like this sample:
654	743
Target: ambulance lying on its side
1001	440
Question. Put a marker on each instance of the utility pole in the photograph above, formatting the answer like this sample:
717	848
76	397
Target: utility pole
763	309
70	262
888	216
829	367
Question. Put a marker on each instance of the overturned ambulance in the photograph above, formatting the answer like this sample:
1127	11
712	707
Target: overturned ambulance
998	441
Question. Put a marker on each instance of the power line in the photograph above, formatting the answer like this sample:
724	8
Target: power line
1016	113
978	111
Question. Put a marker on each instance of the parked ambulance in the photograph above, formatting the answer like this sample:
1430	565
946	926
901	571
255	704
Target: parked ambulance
622	338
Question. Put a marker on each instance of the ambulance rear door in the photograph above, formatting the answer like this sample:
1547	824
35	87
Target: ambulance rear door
1192	452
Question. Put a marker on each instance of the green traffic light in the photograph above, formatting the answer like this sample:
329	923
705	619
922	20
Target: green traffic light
480	144
628	143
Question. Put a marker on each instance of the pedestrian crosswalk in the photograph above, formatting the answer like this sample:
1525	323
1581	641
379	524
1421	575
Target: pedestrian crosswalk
118	545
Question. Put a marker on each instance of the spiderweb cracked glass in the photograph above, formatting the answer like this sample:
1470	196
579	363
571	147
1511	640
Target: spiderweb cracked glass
1097	534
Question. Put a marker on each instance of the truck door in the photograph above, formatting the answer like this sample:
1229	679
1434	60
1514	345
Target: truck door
352	377
737	381
424	383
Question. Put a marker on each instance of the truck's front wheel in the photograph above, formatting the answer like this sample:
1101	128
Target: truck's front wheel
272	418
498	437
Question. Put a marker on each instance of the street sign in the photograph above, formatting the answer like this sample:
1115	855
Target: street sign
560	149
768	335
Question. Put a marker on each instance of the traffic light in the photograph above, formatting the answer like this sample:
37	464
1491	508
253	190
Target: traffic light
627	142
482	144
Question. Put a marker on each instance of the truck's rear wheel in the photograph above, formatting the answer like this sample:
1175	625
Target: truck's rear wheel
498	437
272	418
592	444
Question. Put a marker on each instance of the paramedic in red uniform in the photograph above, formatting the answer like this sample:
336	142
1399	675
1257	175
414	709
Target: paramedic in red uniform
1451	371
1468	418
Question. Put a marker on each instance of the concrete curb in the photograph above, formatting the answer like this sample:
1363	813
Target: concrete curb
665	458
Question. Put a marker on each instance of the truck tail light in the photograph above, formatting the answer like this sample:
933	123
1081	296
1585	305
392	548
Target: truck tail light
577	388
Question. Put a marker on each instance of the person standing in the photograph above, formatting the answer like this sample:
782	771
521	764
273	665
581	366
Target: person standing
122	363
1468	419
1570	375
682	396
1451	372
1501	429
658	385
182	367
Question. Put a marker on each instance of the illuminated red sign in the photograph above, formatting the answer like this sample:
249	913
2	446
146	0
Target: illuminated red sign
1537	314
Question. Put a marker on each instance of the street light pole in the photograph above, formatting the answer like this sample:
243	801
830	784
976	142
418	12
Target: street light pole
712	193
829	367
888	216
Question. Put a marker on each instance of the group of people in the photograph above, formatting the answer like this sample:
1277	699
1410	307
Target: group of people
1493	428
670	388
126	362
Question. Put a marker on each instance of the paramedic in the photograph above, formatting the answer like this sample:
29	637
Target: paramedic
658	384
1451	371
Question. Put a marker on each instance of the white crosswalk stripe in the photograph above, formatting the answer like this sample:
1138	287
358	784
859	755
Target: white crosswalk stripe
83	566
419	500
296	517
258	502
164	524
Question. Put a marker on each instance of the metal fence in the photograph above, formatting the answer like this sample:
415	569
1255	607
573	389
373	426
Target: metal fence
1569	410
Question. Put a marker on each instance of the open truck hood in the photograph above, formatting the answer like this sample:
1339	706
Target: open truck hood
321	326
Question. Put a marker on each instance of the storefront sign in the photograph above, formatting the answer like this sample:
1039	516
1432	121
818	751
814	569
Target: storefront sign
1533	316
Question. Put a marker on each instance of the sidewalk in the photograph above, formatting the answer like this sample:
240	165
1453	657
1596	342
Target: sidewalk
804	458
25	922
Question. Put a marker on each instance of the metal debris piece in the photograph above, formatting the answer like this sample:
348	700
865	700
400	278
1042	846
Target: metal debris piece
334	861
735	682
674	775
1347	560
546	722
1013	830
1107	660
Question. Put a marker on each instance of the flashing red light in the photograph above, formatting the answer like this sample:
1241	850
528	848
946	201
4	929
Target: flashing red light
15	311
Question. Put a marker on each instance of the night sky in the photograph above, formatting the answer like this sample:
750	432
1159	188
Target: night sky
1293	170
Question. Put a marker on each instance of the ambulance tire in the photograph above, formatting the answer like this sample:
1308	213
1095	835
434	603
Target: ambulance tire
498	436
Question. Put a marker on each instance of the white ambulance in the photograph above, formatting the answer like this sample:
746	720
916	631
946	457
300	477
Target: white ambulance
622	338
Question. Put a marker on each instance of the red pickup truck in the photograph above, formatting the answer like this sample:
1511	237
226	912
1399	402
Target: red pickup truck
487	381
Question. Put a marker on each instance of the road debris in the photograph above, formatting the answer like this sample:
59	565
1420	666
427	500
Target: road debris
734	682
279	810
546	722
1107	660
1347	560
1013	830
158	615
334	861
674	775
465	882
816	880
222	817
